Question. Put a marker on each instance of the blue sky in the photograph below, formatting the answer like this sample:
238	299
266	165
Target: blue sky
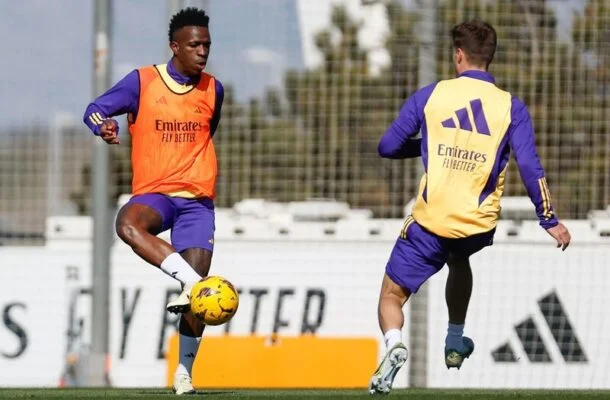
47	59
47	63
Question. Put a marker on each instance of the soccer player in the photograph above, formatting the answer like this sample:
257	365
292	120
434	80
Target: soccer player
468	127
173	111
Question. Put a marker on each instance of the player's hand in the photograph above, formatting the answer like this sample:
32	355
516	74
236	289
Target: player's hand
561	235
109	131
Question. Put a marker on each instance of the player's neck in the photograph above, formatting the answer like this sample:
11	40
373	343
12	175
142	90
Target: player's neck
177	67
464	68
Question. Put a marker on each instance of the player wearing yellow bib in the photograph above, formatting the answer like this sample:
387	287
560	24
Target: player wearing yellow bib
468	128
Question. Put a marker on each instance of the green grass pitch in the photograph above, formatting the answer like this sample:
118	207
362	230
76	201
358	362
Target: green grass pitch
409	394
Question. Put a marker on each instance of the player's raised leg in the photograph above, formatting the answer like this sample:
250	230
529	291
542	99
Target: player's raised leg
457	295
193	236
137	224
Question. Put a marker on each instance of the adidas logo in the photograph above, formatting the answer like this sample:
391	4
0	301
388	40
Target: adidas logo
161	100
463	119
533	344
197	110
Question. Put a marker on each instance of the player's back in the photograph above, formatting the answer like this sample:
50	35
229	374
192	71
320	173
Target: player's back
465	153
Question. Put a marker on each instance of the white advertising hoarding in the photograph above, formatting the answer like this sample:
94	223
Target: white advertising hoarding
34	292
287	289
537	315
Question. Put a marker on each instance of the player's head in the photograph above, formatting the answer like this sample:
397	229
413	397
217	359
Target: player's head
189	39
474	45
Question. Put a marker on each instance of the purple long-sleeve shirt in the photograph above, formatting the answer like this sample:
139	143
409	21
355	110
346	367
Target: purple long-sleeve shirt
124	98
398	142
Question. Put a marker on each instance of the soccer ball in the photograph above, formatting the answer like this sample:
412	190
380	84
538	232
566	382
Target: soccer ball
214	300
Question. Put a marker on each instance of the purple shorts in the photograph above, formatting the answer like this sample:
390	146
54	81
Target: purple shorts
191	220
419	254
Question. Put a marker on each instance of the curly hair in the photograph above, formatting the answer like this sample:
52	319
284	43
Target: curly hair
190	16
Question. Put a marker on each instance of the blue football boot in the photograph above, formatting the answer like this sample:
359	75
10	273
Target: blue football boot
454	358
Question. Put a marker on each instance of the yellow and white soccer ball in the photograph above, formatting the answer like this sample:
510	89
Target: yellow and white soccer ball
214	300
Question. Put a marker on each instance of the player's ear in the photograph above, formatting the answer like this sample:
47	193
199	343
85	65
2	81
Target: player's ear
459	55
174	47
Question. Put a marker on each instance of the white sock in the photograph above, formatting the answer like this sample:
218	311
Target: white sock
187	351
392	337
177	267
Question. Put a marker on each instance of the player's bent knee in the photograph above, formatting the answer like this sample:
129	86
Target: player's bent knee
127	231
134	220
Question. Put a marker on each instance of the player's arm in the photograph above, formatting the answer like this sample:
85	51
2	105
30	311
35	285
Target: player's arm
220	95
120	99
521	140
398	140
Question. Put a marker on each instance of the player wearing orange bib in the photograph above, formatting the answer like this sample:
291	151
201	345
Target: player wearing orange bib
173	110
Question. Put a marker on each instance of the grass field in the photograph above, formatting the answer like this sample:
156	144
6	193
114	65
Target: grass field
411	394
